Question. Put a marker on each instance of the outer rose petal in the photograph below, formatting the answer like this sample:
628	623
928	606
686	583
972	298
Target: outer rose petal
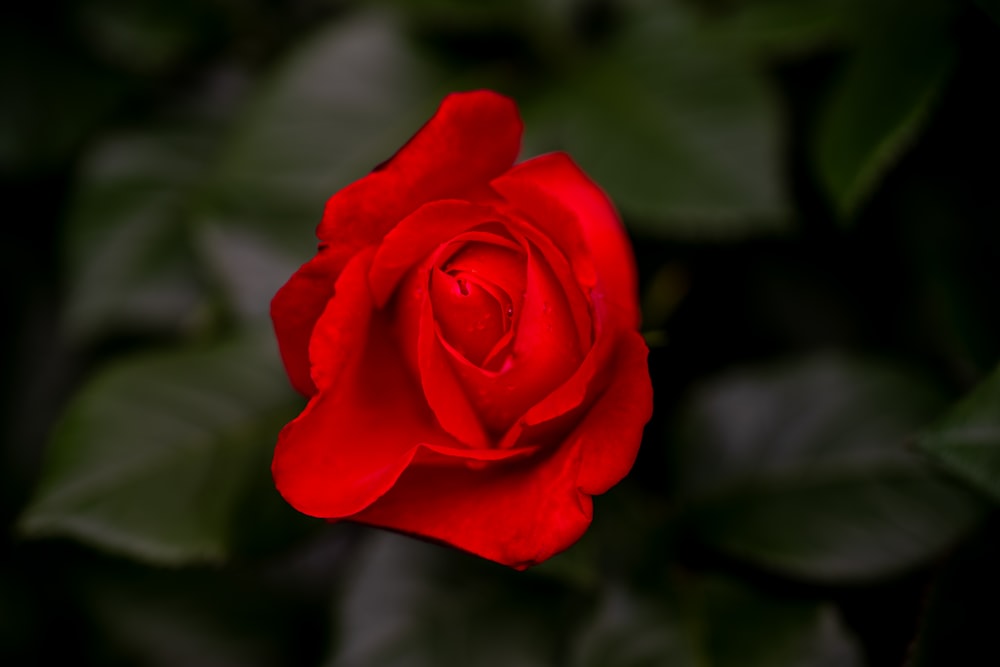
341	332
416	237
518	513
295	309
610	433
369	422
554	179
473	138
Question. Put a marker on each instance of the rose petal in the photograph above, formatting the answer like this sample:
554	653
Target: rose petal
331	464
417	236
545	353
566	275
472	138
469	317
320	464
518	512
339	334
441	387
475	293
295	309
416	336
580	390
361	431
610	434
555	415
554	181
500	263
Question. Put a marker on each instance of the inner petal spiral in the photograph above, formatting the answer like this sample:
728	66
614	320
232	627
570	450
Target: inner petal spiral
476	295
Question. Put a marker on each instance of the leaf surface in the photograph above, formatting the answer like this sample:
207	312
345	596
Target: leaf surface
156	454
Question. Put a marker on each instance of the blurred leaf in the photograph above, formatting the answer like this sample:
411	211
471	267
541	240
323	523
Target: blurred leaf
469	14
629	527
629	630
967	440
159	618
801	468
148	36
784	27
883	99
712	623
234	616
411	604
944	217
747	628
681	130
128	250
154	456
39	128
339	106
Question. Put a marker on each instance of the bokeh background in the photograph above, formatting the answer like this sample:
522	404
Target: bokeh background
811	186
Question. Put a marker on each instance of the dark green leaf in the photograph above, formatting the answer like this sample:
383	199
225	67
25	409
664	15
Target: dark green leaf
165	618
680	129
53	100
629	525
784	27
628	630
882	100
802	468
146	36
129	257
748	628
339	106
155	456
967	440
411	604
713	623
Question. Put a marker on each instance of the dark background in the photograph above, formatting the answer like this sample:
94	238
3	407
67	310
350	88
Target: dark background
811	190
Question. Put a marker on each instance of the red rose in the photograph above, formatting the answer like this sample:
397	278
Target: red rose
467	335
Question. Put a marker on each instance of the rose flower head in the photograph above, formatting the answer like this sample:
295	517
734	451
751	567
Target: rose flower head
467	337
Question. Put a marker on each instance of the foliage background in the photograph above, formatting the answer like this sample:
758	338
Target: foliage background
811	188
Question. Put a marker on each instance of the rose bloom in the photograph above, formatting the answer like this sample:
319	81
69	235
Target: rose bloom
467	338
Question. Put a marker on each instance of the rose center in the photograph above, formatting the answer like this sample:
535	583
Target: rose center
476	295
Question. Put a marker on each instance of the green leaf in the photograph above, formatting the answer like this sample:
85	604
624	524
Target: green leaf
678	127
784	28
711	623
802	469
191	617
413	604
340	105
155	455
629	630
149	36
39	130
966	441
882	101
130	263
630	532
